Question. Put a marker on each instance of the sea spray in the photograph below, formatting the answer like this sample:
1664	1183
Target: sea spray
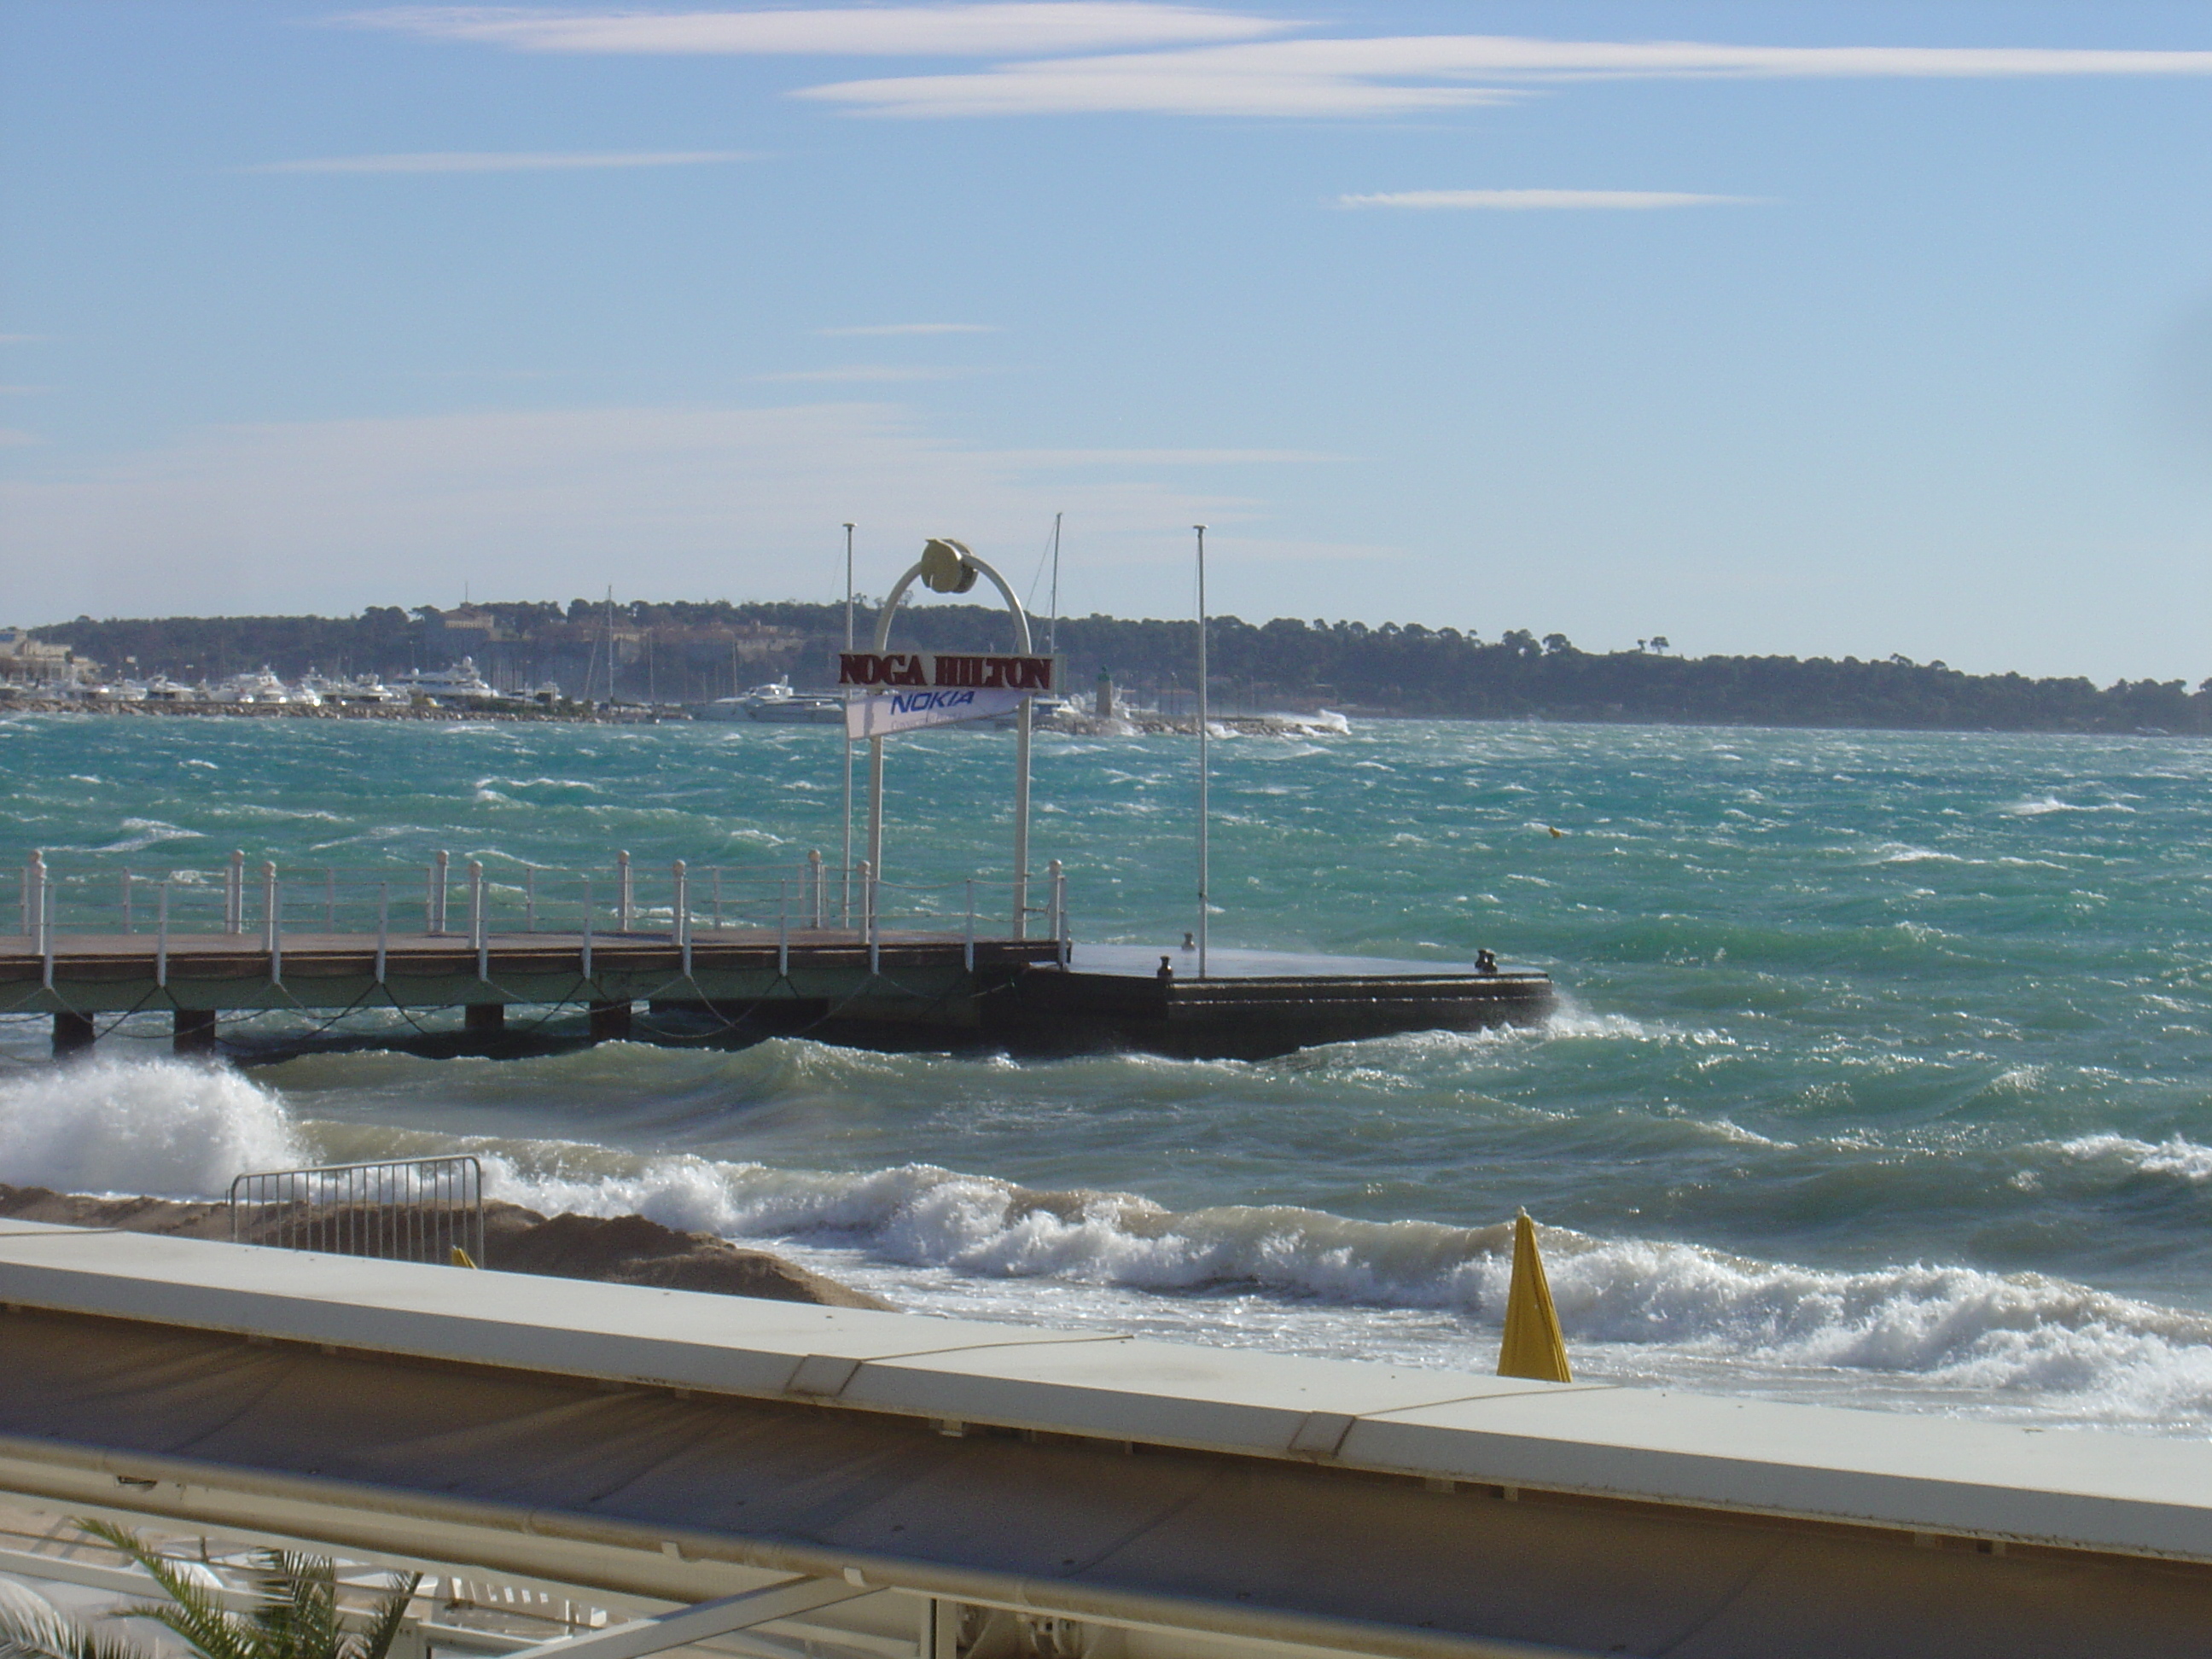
168	1129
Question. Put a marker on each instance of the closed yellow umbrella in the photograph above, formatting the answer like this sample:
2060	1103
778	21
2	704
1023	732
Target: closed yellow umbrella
1533	1345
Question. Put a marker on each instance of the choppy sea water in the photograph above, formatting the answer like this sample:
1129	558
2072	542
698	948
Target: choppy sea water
1880	1075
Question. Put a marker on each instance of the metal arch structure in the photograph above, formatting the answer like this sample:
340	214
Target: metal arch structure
1022	727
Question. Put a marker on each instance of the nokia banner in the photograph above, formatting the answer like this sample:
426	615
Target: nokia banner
911	710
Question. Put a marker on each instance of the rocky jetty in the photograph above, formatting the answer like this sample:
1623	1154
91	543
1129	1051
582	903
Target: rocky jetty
626	1249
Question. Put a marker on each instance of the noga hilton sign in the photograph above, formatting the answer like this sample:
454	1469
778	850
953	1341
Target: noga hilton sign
896	670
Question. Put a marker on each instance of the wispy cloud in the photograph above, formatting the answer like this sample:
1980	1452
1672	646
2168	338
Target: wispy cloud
465	161
20	339
857	373
1522	201
1077	458
14	437
951	31
733	499
910	328
1395	75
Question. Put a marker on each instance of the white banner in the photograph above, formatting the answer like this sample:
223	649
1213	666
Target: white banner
909	711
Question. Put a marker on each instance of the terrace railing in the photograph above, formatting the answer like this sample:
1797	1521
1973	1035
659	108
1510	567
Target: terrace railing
478	902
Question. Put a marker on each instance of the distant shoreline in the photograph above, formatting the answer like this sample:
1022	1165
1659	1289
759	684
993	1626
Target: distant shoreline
1147	727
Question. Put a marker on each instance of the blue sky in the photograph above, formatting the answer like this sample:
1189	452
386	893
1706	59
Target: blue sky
1793	328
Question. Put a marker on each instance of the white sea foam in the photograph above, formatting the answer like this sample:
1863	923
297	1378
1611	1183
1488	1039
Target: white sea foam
2018	1341
2171	1157
2019	1337
2042	805
167	1129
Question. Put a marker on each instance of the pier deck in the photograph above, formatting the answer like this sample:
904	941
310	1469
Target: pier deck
895	989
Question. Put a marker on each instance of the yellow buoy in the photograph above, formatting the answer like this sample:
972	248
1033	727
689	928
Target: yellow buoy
1533	1346
462	1259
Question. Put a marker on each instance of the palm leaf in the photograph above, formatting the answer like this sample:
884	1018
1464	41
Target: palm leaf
191	1611
31	1628
390	1614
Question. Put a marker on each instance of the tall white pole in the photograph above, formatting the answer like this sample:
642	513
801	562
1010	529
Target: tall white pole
1203	778
1051	627
846	862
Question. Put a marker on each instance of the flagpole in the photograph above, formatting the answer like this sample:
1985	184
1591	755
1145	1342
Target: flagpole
1202	758
847	861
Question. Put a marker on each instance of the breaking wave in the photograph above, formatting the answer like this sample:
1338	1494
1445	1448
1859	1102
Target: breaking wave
169	1131
1982	1340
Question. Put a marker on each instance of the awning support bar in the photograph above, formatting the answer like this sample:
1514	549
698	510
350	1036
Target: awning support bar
700	1621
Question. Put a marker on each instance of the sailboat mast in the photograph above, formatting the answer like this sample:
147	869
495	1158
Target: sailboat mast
1051	627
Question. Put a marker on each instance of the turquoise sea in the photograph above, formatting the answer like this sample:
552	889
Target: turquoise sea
1880	1075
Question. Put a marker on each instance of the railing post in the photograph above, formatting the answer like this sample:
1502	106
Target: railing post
625	896
814	877
681	919
1054	879
440	874
161	939
969	955
234	907
783	930
478	938
382	924
272	916
587	928
530	898
46	931
868	916
35	887
1067	934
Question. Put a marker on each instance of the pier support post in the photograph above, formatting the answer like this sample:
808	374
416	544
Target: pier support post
485	1018
191	1032
73	1035
610	1022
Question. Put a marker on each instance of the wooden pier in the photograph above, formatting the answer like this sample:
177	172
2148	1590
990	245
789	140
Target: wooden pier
711	956
898	990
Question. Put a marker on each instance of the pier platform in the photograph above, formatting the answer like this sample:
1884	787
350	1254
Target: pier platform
905	1487
895	989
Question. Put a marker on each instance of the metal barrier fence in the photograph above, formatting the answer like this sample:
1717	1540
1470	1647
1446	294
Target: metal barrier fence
417	1209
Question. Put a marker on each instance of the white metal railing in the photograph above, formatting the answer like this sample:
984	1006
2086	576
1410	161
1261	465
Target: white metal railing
417	1209
480	902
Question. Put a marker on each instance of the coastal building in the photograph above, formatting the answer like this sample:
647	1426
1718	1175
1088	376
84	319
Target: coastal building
38	666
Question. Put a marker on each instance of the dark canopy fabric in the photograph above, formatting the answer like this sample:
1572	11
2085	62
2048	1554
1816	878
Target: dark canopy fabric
1248	1532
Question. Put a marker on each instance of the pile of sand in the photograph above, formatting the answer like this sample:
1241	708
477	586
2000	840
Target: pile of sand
626	1249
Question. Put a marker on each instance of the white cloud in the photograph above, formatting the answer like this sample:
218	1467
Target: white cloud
861	373
911	328
504	161
1522	201
1396	75
955	30
1080	457
665	501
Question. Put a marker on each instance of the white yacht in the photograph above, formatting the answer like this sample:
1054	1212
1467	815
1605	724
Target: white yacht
262	688
777	704
458	683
